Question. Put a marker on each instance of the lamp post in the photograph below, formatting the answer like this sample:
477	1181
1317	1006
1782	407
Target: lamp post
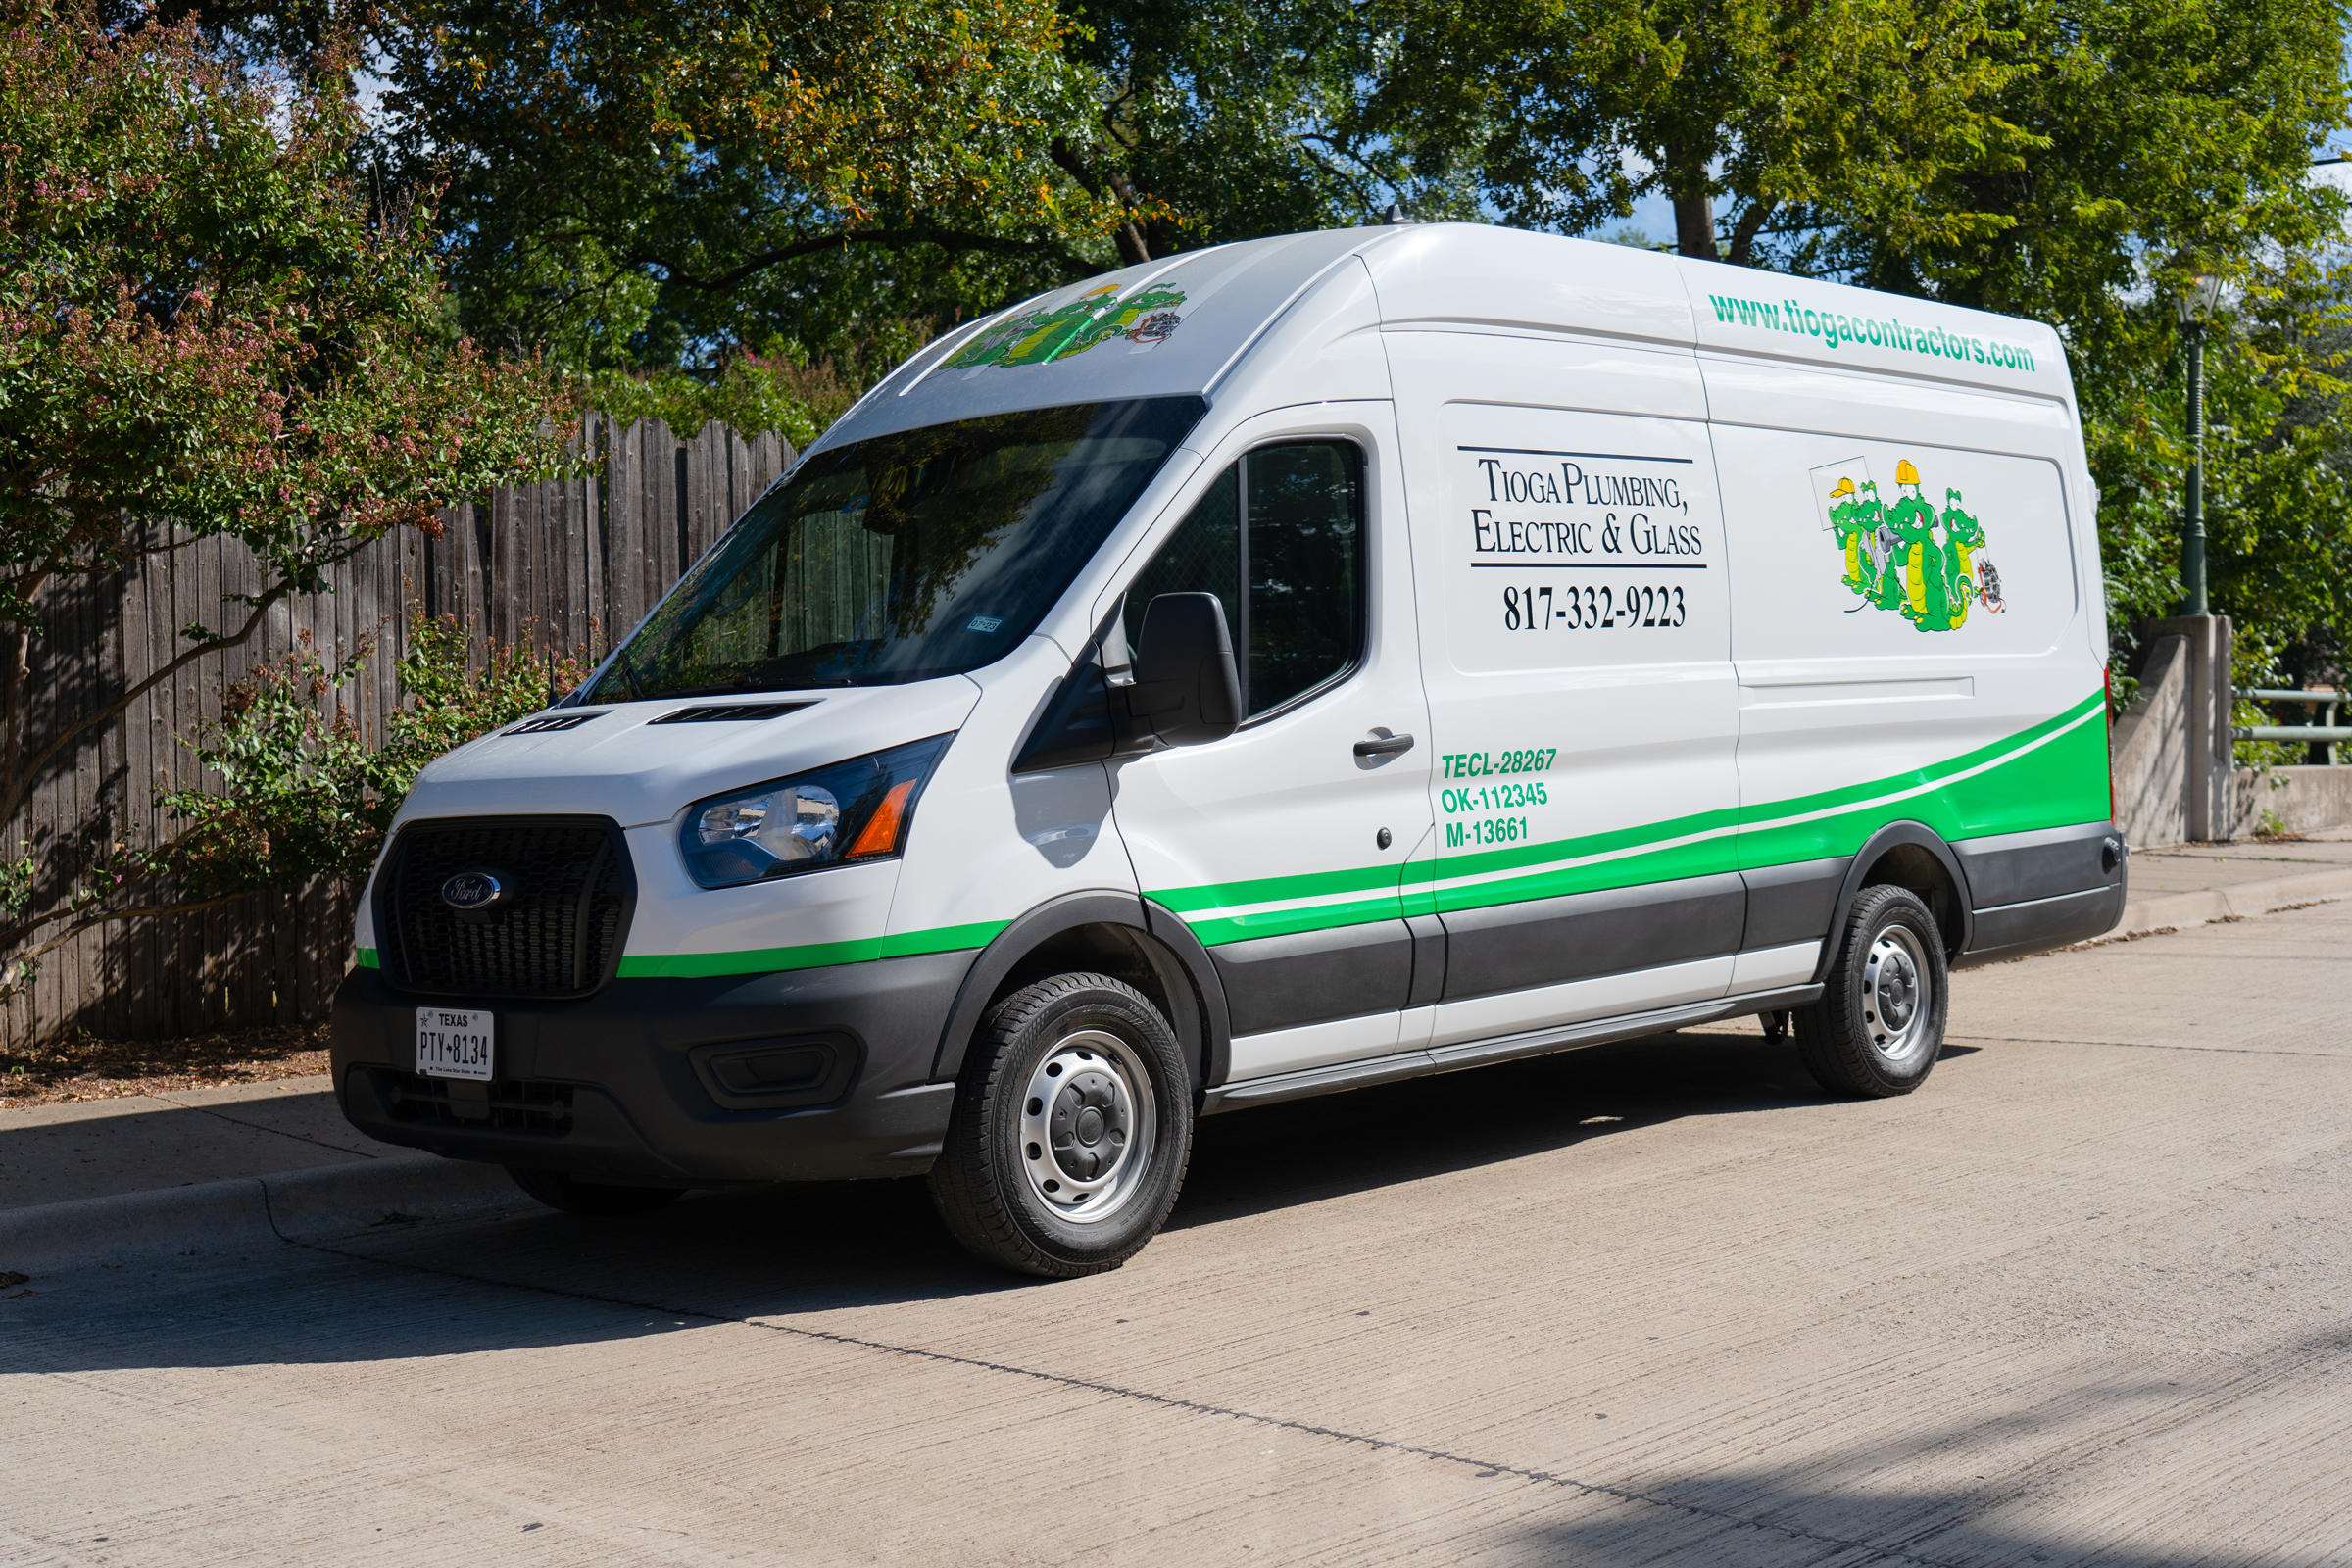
2196	302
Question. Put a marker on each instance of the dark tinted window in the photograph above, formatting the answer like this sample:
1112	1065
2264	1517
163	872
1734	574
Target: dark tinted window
1288	522
926	553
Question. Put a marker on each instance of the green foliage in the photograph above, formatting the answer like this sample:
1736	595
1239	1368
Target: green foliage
1576	109
292	799
2067	160
301	793
773	391
202	320
629	182
1225	119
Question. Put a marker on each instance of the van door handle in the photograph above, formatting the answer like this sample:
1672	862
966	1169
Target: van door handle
1383	746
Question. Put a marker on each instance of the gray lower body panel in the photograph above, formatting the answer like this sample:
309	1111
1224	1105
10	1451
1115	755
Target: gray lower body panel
1423	1062
2038	925
1313	976
1542	942
2032	891
811	1074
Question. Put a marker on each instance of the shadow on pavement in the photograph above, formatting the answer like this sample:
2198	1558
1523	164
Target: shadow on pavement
1764	1524
545	1279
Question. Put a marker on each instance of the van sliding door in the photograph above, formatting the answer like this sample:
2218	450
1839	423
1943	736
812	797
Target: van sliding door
1909	630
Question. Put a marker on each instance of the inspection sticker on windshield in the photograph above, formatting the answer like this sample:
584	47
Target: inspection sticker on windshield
985	623
452	1042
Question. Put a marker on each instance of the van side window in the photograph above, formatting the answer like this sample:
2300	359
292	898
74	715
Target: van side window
1293	516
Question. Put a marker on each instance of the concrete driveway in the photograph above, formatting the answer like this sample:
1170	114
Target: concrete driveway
2081	1300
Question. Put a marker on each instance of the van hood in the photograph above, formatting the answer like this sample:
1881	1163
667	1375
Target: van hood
640	762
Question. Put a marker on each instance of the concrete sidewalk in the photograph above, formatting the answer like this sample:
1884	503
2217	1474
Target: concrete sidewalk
100	1148
219	1170
2194	883
235	1165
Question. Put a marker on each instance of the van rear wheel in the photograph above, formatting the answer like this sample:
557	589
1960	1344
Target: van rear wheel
1879	1026
1072	1127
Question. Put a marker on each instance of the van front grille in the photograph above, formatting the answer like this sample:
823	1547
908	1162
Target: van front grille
554	929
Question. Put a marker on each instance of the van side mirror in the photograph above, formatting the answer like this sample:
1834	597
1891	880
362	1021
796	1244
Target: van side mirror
1187	690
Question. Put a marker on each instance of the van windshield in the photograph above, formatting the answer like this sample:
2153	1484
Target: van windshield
926	553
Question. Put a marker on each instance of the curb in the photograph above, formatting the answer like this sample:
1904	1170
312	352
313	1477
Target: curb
248	1212
2174	910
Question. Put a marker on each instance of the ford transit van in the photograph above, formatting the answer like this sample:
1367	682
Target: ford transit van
1299	664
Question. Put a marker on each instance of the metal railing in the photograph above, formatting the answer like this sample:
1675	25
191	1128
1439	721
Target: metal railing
2322	737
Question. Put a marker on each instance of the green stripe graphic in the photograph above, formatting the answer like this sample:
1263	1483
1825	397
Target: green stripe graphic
2050	774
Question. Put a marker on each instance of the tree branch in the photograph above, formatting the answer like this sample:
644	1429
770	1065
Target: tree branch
1132	247
16	786
894	238
1744	233
92	921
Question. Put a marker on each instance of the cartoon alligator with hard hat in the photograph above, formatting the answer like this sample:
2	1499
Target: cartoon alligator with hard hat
1926	567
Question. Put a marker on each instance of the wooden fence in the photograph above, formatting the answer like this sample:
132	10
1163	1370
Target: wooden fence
560	565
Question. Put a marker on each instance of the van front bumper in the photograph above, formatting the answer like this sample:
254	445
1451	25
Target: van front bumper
810	1075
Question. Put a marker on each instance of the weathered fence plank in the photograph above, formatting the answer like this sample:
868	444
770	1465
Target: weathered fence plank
561	567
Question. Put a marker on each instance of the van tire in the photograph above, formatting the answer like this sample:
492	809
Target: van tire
596	1199
1048	1063
1879	1026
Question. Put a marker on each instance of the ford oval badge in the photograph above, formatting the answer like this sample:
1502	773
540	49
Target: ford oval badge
472	891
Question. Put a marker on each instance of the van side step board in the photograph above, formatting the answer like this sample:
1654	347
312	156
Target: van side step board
1422	1060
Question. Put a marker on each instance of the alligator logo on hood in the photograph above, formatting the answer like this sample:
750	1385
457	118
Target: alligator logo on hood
1145	318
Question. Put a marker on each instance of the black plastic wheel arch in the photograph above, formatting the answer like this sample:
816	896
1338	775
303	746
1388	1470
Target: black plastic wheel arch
1891	836
1165	941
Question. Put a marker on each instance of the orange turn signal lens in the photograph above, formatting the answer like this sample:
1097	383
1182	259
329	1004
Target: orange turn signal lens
880	835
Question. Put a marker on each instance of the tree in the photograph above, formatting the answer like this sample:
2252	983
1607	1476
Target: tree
2170	138
627	182
205	332
2067	160
1225	120
1576	109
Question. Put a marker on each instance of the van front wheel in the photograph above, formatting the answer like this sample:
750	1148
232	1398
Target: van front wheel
1072	1126
1879	1026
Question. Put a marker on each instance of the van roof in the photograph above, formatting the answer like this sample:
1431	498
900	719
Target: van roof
1181	324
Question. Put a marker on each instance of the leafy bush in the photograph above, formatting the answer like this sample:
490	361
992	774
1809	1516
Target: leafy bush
779	388
302	793
206	316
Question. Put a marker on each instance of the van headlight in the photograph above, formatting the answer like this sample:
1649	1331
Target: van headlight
832	815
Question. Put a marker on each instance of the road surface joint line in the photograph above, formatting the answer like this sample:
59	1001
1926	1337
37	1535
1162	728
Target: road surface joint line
1484	1469
274	1132
2147	1044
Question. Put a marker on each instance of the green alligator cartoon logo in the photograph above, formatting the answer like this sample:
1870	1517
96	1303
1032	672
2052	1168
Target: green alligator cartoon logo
1096	317
1907	557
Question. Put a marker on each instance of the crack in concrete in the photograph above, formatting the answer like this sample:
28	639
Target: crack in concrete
2144	1044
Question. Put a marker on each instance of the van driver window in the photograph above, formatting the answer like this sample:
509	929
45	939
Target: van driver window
1292	515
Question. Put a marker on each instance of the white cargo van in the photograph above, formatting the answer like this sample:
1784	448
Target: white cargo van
1304	664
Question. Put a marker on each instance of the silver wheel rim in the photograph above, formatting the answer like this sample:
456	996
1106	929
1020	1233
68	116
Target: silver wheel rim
1089	1124
1896	998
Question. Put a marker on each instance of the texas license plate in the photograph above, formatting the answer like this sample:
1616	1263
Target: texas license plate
453	1043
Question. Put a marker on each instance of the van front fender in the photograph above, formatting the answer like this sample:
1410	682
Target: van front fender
1179	963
